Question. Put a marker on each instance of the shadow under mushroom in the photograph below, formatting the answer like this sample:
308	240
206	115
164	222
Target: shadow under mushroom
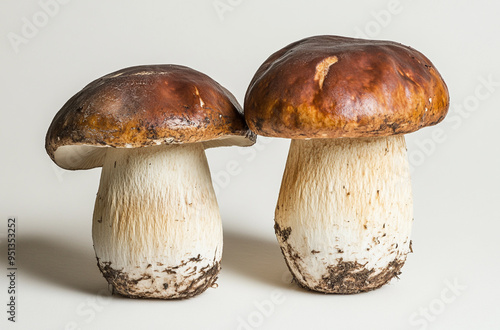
62	263
256	258
59	262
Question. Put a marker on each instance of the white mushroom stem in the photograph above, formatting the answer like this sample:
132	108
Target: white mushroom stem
156	227
344	212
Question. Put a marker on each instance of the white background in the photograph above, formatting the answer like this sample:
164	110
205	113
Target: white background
455	164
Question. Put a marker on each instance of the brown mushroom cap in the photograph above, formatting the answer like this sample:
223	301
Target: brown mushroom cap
330	86
144	106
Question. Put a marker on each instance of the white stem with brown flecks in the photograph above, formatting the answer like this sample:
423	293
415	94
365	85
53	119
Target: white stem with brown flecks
156	227
344	212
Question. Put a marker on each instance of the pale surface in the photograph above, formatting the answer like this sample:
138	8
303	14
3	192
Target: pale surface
156	220
345	201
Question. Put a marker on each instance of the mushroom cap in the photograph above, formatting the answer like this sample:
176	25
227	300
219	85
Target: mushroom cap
330	87
145	106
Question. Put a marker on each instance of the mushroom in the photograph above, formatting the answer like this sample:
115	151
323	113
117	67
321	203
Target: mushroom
156	226
344	212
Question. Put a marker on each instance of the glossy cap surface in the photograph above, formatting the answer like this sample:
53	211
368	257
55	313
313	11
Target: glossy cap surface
330	87
145	106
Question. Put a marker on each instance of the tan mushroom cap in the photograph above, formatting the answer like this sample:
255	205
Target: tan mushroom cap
330	87
145	106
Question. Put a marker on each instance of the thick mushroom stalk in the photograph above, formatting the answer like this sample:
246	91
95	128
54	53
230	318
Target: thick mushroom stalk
156	227
344	212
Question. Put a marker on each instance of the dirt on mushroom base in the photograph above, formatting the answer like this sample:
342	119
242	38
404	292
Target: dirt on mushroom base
351	277
190	286
345	277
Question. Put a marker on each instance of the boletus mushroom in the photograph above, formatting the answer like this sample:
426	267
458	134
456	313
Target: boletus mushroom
156	227
344	212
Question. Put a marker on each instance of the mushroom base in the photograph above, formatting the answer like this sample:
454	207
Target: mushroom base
156	227
344	213
126	284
